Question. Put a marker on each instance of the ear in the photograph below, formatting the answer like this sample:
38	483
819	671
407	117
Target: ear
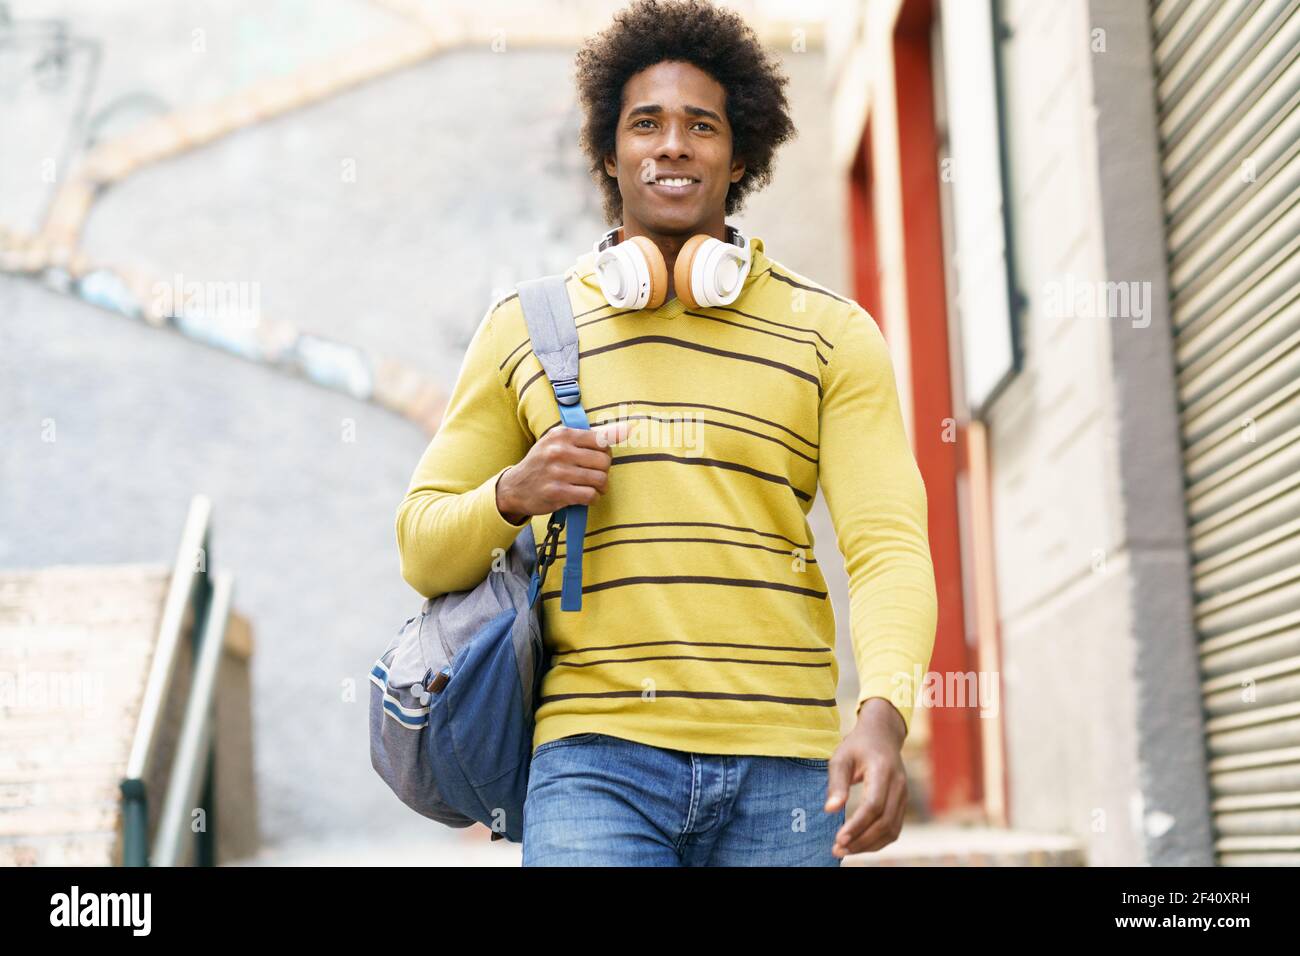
611	165
737	170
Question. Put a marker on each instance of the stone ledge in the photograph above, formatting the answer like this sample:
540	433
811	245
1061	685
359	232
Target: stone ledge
932	844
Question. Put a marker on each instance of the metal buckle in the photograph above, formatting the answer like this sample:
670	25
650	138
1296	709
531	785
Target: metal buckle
546	550
566	390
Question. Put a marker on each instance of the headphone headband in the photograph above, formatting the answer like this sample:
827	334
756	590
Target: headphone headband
607	239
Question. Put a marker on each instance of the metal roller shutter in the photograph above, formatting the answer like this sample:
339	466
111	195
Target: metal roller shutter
1228	93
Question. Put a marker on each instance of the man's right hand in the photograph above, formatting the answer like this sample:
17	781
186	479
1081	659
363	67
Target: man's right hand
566	466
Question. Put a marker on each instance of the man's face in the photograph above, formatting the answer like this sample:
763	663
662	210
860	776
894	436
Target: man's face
674	124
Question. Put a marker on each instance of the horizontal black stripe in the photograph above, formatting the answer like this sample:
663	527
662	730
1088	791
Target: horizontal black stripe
742	325
656	418
719	308
527	343
759	318
587	549
754	647
684	344
511	373
811	288
572	273
689	657
692	524
603	305
711	463
697	695
716	408
690	579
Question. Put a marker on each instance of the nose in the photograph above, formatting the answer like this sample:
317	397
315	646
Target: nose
675	143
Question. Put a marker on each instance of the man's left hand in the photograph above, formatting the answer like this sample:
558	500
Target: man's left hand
872	753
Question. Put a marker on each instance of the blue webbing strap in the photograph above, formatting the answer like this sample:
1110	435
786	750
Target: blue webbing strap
575	516
554	338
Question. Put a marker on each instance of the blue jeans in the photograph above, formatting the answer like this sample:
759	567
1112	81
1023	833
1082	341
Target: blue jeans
597	800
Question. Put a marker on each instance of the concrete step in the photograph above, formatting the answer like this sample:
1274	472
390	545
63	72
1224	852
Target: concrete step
935	844
921	844
472	846
76	647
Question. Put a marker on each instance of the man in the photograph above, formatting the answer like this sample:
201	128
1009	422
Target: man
689	716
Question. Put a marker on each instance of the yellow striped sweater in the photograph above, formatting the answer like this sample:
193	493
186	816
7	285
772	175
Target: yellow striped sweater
705	625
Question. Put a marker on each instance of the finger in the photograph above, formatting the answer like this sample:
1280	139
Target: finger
875	794
579	494
891	825
604	435
574	437
596	478
844	773
597	458
885	830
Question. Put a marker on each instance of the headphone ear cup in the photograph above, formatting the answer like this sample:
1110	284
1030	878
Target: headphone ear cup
657	269
683	267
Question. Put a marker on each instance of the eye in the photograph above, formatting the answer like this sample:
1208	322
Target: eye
707	125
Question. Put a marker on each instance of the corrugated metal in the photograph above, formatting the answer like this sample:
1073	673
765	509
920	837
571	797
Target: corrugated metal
1228	91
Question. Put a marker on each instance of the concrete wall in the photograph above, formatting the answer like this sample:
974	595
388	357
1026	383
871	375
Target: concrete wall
1102	704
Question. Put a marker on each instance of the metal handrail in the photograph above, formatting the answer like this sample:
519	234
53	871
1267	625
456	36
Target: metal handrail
191	768
190	586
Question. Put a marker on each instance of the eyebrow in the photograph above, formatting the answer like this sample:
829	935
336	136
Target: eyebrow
655	109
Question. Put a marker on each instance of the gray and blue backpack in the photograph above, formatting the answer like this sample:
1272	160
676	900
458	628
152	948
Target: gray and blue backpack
453	695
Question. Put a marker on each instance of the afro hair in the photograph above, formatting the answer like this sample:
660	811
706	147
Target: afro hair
717	41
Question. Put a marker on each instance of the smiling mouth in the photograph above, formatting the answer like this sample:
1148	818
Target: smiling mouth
675	184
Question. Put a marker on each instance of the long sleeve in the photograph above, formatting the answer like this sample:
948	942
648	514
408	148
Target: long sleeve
448	524
877	502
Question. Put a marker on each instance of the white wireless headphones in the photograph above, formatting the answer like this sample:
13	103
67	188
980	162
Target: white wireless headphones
708	271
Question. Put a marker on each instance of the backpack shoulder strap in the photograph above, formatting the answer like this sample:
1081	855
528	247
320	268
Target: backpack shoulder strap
554	337
551	327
